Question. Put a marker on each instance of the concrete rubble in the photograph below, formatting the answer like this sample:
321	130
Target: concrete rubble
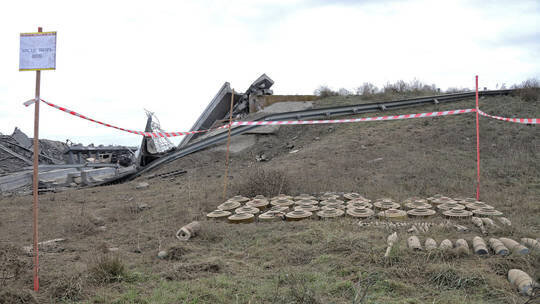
61	165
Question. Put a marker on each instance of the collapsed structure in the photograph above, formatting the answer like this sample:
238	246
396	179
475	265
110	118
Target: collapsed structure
65	164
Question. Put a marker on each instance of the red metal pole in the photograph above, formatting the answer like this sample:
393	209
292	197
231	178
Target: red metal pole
36	178
477	146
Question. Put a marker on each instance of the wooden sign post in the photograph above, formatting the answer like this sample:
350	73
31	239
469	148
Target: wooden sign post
37	52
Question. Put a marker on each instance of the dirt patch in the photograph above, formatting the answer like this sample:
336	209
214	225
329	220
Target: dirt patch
177	253
186	271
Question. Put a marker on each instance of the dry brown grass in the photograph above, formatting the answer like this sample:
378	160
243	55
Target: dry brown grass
108	268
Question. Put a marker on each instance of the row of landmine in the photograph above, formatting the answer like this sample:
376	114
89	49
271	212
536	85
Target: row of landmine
331	205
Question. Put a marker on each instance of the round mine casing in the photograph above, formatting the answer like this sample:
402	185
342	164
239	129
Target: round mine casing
247	209
282	202
477	205
448	206
261	204
457	213
239	198
332	201
330	213
218	215
298	215
393	214
241	218
304	197
421	212
229	205
483	212
307	202
352	196
271	216
359	204
307	207
360	212
385	204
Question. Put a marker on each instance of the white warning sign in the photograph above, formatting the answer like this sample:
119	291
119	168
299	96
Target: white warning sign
37	51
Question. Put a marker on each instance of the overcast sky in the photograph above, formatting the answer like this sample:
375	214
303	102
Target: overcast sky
117	58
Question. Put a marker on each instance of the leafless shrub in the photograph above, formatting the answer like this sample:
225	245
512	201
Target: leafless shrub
324	91
344	92
414	87
452	90
367	89
68	288
528	90
80	225
267	182
108	268
12	265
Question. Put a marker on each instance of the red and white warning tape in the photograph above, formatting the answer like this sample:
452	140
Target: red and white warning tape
295	122
148	134
516	120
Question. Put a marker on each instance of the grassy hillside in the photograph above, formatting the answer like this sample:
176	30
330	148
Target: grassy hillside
303	262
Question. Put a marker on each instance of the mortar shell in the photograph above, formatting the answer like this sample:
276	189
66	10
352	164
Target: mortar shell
430	244
498	247
229	205
247	209
531	243
521	281
487	212
414	243
241	218
261	204
298	215
218	215
446	244
479	246
393	214
421	212
462	247
505	221
360	212
514	246
330	213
